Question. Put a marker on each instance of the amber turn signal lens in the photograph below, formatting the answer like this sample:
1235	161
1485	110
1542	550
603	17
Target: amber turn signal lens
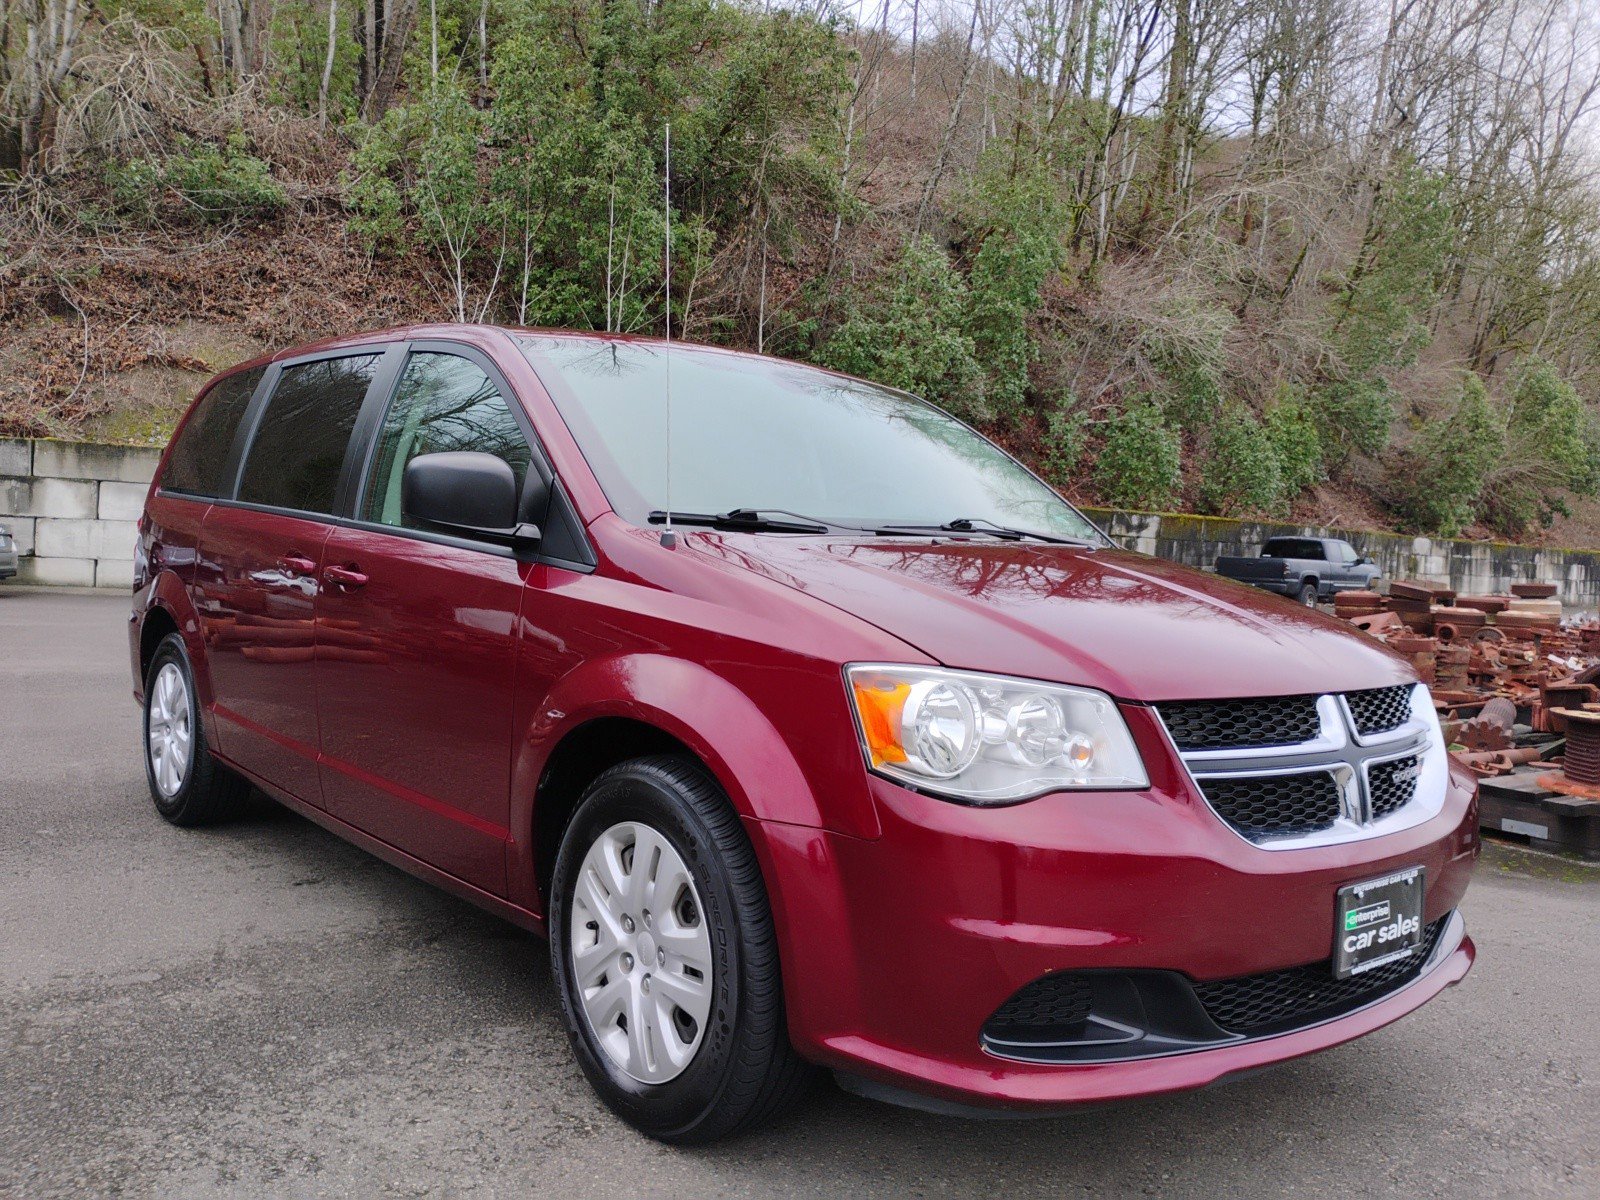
881	705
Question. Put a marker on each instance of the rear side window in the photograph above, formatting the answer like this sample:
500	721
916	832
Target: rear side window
300	443
199	456
1292	548
444	402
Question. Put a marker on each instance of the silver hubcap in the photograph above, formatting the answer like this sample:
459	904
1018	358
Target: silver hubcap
171	736
641	953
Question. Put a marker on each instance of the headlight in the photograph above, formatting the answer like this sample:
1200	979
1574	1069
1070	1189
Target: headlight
988	739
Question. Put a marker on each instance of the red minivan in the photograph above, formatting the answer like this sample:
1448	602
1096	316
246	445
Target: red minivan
811	728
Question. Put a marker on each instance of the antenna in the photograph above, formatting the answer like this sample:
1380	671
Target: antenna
669	539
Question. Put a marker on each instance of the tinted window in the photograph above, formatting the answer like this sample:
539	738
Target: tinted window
761	433
200	451
1292	548
444	402
299	446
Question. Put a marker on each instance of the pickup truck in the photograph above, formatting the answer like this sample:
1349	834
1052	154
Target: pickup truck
1306	569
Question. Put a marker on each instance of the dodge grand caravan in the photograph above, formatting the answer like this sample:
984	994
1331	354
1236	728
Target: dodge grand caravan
811	728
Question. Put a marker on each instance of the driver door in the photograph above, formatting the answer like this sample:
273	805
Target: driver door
417	636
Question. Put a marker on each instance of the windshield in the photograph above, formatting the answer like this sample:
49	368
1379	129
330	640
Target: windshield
759	433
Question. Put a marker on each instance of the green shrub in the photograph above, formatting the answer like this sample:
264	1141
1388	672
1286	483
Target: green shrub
214	183
1194	395
1292	429
1004	288
1015	215
1242	473
1552	448
909	333
1352	416
1140	464
1066	433
1443	476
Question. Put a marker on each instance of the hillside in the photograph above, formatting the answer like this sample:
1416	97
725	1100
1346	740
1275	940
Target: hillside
1328	262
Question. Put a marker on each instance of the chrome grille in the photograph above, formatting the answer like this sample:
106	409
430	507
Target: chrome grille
1392	785
1362	758
1276	804
1234	724
1380	709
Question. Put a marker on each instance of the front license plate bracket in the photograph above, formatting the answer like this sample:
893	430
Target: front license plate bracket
1377	921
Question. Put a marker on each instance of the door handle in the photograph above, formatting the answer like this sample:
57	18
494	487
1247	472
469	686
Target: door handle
345	577
298	563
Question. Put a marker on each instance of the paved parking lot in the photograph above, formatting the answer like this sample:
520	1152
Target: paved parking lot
264	1010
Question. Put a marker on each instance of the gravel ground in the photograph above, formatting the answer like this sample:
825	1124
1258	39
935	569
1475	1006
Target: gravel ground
264	1010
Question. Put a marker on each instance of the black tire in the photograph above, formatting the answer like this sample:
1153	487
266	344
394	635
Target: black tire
208	791
1308	595
744	1072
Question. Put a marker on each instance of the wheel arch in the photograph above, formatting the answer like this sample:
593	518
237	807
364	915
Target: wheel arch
610	710
169	610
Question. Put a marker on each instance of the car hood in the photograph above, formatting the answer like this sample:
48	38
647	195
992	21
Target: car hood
1136	627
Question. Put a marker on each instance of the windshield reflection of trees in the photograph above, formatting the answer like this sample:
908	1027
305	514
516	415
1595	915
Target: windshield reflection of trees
944	470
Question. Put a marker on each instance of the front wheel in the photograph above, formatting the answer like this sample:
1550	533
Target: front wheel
665	959
1308	595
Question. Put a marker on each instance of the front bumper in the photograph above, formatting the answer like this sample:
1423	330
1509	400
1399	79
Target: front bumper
897	950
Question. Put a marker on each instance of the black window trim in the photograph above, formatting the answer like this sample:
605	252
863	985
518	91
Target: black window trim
363	446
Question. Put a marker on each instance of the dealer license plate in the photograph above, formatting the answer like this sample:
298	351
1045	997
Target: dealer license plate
1376	922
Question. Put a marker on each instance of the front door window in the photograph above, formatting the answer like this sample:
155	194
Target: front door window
443	402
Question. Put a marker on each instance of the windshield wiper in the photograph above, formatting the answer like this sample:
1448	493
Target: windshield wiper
984	525
745	520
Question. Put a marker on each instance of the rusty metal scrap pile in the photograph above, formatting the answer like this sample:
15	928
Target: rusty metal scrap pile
1514	685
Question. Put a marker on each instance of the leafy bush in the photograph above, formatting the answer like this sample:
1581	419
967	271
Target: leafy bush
1194	395
1292	430
1442	477
910	333
1552	448
1065	437
1352	416
1242	473
1140	464
1021	217
1005	281
214	183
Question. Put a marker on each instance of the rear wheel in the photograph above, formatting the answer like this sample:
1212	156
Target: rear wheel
188	785
1308	595
665	959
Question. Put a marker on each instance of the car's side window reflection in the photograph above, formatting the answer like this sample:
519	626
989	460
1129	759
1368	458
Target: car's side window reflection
443	402
299	447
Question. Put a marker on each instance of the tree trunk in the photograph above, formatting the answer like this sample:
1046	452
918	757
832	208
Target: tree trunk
398	18
327	61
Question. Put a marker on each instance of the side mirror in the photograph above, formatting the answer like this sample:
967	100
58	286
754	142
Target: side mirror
464	492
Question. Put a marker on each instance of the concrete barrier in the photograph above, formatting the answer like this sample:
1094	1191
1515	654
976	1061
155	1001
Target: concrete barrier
74	508
1469	567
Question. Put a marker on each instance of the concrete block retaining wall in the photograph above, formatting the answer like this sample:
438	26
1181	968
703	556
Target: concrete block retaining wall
1470	567
74	508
